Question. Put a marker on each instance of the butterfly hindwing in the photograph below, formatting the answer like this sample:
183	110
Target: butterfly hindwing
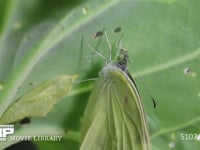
95	134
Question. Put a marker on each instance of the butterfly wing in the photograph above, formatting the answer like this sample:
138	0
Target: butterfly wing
130	112
114	117
95	133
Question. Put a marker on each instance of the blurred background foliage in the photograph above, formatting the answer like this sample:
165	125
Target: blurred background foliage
42	39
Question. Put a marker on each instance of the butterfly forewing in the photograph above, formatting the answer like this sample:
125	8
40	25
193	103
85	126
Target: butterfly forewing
114	117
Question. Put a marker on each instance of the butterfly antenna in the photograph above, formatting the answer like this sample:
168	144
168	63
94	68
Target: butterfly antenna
80	56
119	45
145	87
109	45
118	42
94	50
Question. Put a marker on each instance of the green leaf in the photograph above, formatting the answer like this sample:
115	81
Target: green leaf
1	85
39	100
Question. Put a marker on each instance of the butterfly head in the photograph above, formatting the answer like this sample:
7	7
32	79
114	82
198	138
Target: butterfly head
122	59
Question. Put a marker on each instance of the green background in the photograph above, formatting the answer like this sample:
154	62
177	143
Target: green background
42	39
